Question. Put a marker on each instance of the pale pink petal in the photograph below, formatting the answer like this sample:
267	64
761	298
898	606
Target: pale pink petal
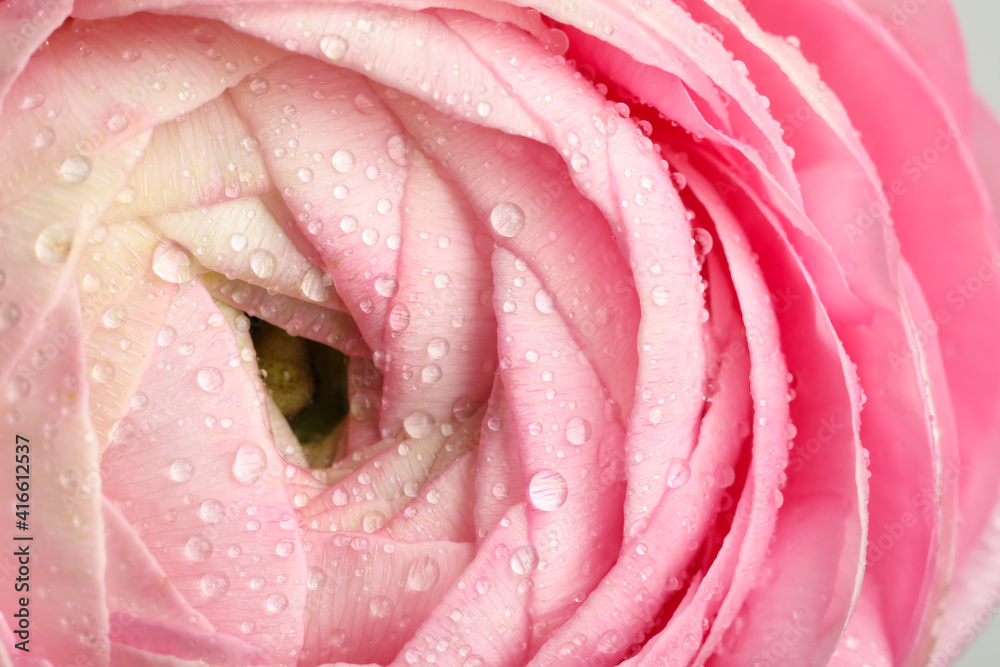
499	482
26	25
441	338
62	542
103	101
442	511
484	615
197	472
368	594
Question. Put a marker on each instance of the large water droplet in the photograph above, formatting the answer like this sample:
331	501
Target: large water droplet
419	424
211	379
214	584
678	473
380	606
316	285
660	295
385	285
54	243
507	219
250	463
211	511
437	348
103	372
334	47
579	162
578	431
544	303
343	161
285	548
181	470
702	239
430	373
547	490
74	169
198	549
166	336
172	263
524	560
10	315
262	263
423	574
115	317
305	174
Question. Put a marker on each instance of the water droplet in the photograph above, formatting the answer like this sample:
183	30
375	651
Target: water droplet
316	285
103	372
238	242
484	109
259	85
500	491
181	470
555	41
702	242
117	123
214	584
364	104
578	431
315	578
579	162
423	574
277	603
385	285
212	511
285	548
430	374
211	379
544	303
198	549
399	317
250	463
343	161
370	236
262	263
442	280
660	295
610	642
115	317
74	169
53	245
419	424
380	606
131	55
305	175
173	263
334	47
397	149
384	206
166	336
10	315
547	490
507	219
678	473
45	138
437	348
524	560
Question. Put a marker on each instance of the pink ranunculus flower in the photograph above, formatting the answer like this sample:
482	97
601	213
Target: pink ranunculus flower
669	334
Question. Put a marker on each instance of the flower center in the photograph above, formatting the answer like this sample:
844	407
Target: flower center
308	382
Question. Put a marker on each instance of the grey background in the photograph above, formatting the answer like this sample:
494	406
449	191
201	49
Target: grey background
981	24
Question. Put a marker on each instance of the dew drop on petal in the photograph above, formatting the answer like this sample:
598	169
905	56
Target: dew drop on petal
660	295
437	348
430	374
277	603
210	379
420	424
524	560
507	219
53	245
423	574
262	263
343	161
547	490
181	470
578	431
214	584
399	317
678	473
334	47
380	606
544	303
211	511
250	463
197	549
75	169
385	285
316	285
172	262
